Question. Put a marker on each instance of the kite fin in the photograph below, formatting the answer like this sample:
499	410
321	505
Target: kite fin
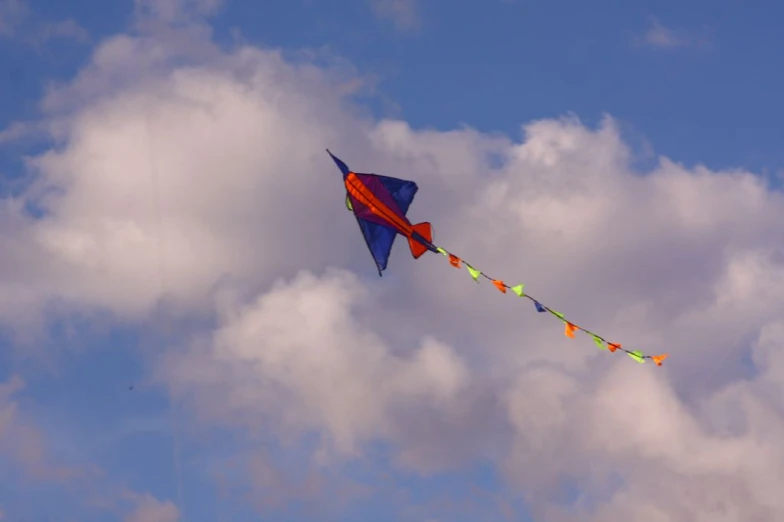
426	232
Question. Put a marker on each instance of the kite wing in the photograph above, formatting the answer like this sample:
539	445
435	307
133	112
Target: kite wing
379	239
402	191
397	194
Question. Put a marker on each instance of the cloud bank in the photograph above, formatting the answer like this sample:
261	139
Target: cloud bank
191	181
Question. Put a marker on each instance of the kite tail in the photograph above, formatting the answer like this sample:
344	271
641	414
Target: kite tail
569	327
419	247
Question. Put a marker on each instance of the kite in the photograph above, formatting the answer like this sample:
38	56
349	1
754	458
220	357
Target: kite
380	204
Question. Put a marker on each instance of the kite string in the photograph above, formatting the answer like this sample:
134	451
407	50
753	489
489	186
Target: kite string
166	327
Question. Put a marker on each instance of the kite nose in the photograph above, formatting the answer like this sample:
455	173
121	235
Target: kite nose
342	166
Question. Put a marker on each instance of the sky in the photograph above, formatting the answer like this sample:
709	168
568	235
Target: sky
192	328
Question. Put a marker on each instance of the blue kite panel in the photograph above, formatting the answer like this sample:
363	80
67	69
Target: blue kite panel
379	239
402	191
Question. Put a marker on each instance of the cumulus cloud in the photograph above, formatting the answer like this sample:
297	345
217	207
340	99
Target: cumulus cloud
207	184
639	451
300	358
152	197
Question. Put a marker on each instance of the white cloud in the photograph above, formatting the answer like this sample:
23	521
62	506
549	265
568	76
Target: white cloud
300	358
636	450
109	225
447	371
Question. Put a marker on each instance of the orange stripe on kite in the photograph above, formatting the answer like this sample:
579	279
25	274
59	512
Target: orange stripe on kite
364	195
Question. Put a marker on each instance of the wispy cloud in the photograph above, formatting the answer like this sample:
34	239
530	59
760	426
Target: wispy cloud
19	23
34	462
403	13
169	11
68	29
660	36
23	442
150	509
12	13
17	130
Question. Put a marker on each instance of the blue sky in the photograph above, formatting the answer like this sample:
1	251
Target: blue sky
506	62
697	82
